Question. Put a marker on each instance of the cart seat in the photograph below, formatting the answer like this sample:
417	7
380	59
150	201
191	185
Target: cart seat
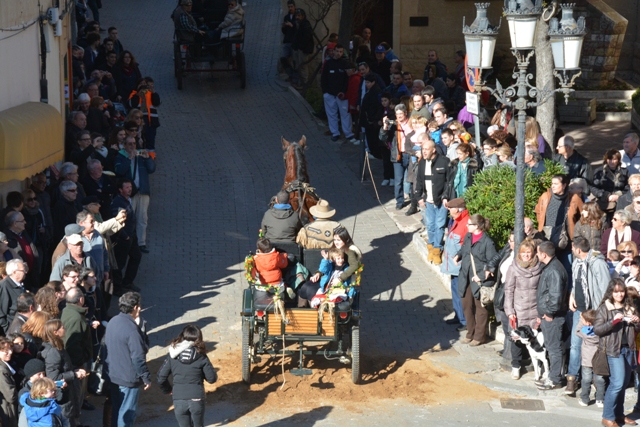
343	306
262	300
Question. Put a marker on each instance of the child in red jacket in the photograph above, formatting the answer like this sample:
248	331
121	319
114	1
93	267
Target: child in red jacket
269	264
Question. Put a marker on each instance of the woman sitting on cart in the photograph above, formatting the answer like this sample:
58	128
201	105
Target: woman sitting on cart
342	241
233	18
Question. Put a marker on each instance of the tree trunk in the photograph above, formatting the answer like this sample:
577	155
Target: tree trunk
346	23
545	114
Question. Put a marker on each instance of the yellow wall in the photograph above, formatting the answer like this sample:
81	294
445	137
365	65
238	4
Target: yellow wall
20	61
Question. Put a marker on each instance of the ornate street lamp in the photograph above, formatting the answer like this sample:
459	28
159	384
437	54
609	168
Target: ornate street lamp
566	38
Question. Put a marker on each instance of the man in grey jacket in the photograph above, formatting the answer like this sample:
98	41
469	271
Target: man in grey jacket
126	361
551	299
590	280
281	223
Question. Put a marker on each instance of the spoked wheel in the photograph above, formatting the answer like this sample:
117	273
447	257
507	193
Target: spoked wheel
246	348
355	354
242	68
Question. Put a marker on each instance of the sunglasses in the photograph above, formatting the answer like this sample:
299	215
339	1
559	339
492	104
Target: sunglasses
626	252
31	199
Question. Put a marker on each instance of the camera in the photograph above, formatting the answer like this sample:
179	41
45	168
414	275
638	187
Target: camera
391	122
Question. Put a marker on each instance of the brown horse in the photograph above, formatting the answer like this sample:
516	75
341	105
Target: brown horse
296	179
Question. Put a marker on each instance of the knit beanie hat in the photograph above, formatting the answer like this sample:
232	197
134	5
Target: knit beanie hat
32	367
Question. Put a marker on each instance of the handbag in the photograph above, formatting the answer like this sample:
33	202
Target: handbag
561	241
98	382
487	293
599	363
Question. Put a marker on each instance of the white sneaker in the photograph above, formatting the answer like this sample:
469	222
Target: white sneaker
599	404
291	294
385	182
515	373
392	182
371	156
582	402
354	140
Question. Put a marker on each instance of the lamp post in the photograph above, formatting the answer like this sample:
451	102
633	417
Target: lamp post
566	41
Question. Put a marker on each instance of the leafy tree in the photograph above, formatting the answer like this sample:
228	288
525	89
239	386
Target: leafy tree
493	196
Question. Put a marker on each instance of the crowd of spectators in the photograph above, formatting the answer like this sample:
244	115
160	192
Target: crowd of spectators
74	239
575	277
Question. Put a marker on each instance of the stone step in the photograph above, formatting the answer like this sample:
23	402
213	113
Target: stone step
614	102
602	94
611	116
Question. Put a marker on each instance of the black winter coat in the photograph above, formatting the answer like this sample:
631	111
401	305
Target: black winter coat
190	369
64	213
576	166
303	39
439	178
483	251
334	78
553	290
371	109
607	182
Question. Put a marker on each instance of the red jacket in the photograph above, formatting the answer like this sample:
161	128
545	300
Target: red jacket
459	227
269	266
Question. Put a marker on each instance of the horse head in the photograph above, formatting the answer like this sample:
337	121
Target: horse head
294	160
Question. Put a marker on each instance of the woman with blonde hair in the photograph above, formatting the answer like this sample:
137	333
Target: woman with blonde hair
533	136
520	290
591	225
505	156
33	331
628	251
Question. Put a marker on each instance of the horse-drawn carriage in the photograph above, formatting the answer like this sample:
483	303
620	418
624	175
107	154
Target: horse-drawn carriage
270	323
222	53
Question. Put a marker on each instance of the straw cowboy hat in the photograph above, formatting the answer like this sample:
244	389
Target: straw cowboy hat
322	210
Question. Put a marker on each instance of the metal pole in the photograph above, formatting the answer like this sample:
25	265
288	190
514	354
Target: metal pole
476	123
519	222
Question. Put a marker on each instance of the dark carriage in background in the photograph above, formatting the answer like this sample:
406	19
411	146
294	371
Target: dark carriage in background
211	56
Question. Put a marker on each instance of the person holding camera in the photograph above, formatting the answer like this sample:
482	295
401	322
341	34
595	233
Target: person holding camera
616	324
137	165
398	133
147	101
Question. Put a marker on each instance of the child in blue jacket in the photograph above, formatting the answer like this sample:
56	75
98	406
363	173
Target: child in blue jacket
39	406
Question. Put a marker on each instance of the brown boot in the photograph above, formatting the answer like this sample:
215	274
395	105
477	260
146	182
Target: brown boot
430	256
437	256
609	423
571	386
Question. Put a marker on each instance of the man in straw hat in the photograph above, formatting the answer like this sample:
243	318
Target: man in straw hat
318	234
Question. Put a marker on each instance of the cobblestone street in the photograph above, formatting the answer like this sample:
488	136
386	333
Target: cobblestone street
219	162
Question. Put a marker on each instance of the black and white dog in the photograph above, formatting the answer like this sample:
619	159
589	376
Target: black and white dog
534	341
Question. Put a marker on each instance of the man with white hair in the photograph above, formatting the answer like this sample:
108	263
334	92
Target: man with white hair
630	153
20	243
10	290
575	165
627	198
534	162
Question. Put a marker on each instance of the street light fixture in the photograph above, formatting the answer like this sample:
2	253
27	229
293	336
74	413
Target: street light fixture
566	38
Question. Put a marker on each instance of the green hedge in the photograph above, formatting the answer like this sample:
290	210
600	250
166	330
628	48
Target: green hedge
493	196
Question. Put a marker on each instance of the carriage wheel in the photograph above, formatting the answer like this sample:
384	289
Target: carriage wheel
246	346
242	68
355	354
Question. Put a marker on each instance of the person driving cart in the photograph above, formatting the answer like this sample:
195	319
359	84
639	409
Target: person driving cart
186	27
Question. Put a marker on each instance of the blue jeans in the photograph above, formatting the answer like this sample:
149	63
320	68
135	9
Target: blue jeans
456	301
588	377
620	368
399	173
575	361
435	220
124	401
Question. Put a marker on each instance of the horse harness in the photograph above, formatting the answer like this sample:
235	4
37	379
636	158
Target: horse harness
302	188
